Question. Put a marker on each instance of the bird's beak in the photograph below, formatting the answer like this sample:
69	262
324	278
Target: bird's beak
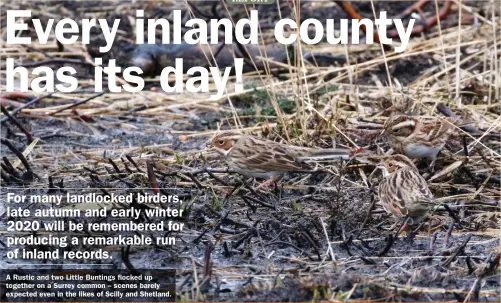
210	152
209	149
381	134
373	172
208	144
379	166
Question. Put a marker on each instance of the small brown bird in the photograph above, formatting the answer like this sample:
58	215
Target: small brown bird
403	191
417	137
260	158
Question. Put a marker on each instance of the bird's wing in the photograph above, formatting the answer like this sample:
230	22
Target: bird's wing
264	154
405	192
436	128
325	153
390	198
418	187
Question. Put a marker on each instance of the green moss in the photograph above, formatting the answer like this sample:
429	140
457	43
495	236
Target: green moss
258	102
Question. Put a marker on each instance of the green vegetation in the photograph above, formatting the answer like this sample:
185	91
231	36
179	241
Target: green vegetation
258	103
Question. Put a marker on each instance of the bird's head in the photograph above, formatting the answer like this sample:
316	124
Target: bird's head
222	142
399	126
396	162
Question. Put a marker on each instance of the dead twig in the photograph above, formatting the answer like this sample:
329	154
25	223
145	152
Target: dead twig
26	105
457	252
369	211
329	247
152	178
56	61
78	103
16	122
431	21
428	23
355	15
18	153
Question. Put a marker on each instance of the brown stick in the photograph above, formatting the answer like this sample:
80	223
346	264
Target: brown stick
354	15
6	99
28	104
10	103
16	95
28	135
152	178
78	103
459	250
369	211
56	61
416	6
431	21
18	153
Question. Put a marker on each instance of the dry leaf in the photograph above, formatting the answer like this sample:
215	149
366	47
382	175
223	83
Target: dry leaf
447	170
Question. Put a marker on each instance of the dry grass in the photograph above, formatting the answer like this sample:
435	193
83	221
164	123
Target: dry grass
455	63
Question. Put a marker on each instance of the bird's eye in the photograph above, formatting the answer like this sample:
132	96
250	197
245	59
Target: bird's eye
403	131
221	142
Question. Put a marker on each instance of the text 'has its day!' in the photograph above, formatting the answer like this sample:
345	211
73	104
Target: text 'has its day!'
68	31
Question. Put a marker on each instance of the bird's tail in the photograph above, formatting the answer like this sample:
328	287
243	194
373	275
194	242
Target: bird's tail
328	153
